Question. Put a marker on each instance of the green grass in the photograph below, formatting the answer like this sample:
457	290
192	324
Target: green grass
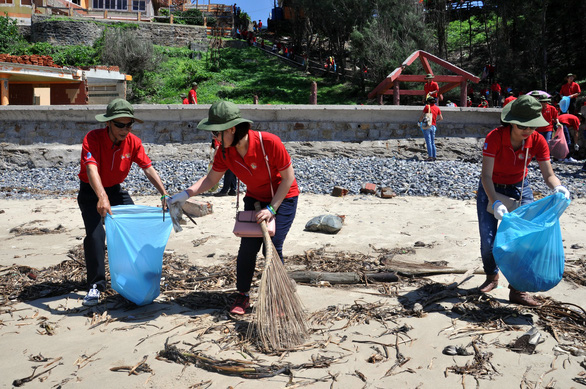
241	74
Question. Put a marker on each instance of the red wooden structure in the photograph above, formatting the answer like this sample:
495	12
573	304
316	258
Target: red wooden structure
391	84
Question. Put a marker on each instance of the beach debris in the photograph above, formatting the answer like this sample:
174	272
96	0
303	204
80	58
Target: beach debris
387	193
21	381
21	230
563	320
479	367
368	188
329	224
456	350
527	342
318	277
575	272
338	191
241	368
196	208
140	367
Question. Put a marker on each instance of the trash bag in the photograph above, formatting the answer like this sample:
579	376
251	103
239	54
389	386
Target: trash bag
330	224
136	237
558	147
528	247
564	104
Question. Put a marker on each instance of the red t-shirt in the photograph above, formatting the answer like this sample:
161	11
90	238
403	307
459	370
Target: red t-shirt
431	87
570	89
192	96
186	101
113	162
550	114
495	87
434	109
508	100
508	163
570	120
252	169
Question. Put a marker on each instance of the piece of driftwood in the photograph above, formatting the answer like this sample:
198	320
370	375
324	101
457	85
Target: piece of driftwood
311	277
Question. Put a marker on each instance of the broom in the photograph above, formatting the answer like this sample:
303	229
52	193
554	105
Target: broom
278	316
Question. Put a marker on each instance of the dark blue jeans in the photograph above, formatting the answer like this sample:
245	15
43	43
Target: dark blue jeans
94	244
487	223
249	247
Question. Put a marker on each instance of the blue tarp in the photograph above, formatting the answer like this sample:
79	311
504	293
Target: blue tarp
136	237
528	247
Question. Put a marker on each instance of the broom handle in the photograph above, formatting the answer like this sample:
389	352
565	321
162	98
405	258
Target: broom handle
263	226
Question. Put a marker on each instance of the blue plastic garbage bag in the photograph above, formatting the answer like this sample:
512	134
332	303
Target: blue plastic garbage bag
564	104
528	247
136	237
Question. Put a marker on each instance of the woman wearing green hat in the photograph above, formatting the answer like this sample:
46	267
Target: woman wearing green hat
243	151
507	152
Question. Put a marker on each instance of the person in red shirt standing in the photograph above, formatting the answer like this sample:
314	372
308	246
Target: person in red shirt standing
506	153
193	93
429	133
431	88
496	89
550	114
270	181
509	98
572	89
107	155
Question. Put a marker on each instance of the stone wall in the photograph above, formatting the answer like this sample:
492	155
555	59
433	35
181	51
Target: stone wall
168	124
80	31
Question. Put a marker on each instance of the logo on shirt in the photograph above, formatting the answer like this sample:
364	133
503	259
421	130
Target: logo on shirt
88	155
253	165
127	155
485	146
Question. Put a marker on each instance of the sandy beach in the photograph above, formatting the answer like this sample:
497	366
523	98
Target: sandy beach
370	336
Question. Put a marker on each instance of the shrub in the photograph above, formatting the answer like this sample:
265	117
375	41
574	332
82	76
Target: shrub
11	42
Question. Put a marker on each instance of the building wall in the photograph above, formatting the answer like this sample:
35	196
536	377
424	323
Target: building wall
20	10
166	124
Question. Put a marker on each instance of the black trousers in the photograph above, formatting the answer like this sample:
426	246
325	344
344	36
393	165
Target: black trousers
94	244
229	181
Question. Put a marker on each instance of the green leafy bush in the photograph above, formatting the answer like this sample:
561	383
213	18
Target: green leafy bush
11	41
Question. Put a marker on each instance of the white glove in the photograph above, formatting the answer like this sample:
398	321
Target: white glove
563	190
180	198
499	209
576	146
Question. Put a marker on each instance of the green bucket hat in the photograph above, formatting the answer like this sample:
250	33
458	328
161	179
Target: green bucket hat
118	108
221	116
525	111
540	97
429	76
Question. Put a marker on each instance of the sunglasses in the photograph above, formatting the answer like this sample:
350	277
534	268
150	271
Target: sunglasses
216	133
525	128
123	125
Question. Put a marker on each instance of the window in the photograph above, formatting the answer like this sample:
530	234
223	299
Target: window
26	2
138	5
120	5
6	1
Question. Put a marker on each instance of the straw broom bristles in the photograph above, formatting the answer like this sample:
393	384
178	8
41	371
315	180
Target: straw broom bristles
279	321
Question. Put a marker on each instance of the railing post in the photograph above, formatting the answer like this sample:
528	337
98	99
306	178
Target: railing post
313	93
105	14
170	18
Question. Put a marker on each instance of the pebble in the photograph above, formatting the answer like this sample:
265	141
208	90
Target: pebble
407	177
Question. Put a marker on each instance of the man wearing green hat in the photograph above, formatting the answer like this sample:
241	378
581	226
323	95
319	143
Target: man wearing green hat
193	93
571	89
550	114
506	153
107	155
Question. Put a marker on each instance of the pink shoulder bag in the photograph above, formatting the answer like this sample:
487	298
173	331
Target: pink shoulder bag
246	225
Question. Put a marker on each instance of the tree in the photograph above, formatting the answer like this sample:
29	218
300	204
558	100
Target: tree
396	30
11	41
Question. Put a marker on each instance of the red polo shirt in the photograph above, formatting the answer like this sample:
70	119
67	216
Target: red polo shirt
192	96
508	100
113	162
431	87
508	163
550	114
570	120
570	89
434	109
252	169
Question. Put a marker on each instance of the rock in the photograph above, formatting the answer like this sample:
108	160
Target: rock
329	224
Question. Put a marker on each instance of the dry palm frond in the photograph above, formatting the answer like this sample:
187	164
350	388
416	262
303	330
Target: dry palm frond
278	317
